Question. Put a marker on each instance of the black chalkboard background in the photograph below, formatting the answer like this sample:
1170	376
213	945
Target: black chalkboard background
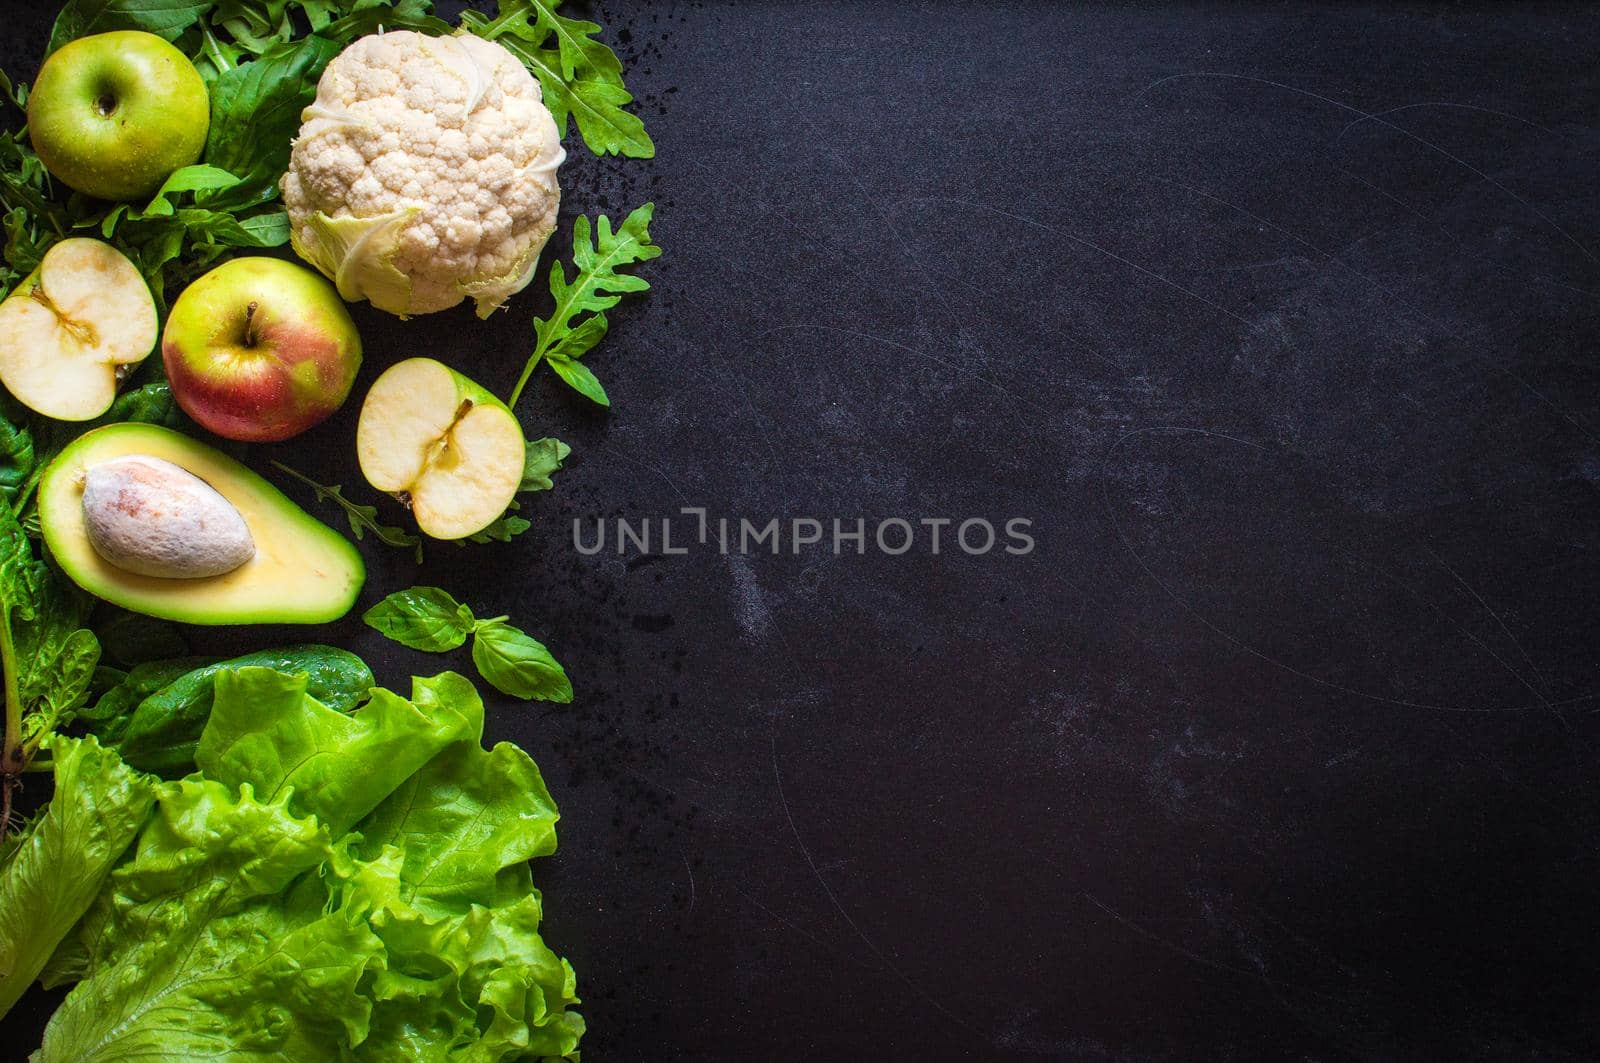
1280	325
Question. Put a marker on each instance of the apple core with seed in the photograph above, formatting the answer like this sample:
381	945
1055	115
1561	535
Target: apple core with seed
443	445
74	328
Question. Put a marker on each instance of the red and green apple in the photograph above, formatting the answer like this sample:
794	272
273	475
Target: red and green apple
260	349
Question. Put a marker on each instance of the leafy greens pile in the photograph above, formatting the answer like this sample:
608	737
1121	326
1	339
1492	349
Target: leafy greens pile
269	857
325	885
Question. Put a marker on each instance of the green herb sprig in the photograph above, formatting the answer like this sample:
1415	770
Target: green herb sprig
362	519
578	321
431	620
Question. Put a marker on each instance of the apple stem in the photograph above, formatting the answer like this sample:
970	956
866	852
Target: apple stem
250	324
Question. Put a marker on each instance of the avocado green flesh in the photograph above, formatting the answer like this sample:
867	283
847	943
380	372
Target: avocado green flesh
303	572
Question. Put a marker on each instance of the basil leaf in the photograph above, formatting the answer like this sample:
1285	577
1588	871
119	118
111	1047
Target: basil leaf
518	665
423	618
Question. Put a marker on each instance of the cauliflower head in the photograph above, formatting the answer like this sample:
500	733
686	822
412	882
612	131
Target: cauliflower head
424	173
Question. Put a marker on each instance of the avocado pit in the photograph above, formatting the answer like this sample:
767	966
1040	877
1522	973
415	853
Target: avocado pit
148	516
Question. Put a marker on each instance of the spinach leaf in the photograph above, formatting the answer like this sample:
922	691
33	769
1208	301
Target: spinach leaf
155	717
255	115
17	459
129	638
165	18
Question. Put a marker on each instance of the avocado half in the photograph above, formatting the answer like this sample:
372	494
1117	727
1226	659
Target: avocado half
303	571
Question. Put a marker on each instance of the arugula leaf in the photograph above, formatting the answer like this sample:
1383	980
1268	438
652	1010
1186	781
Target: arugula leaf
579	377
515	664
165	18
369	16
580	77
595	288
503	529
55	873
422	618
362	519
540	462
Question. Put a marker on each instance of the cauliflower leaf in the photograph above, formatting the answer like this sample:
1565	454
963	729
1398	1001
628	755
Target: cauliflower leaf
358	253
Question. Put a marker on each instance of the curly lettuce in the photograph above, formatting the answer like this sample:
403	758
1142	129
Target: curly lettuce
327	886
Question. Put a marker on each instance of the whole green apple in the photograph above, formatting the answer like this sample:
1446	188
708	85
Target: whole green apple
260	349
114	114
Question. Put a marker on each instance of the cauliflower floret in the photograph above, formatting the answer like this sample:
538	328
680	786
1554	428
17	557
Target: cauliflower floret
424	172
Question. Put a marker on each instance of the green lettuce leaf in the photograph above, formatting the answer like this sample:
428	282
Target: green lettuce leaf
244	929
265	730
59	866
460	918
155	716
200	948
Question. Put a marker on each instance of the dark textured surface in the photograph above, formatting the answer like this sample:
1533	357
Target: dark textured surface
1281	324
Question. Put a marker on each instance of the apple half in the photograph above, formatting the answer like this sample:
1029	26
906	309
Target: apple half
443	445
74	328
